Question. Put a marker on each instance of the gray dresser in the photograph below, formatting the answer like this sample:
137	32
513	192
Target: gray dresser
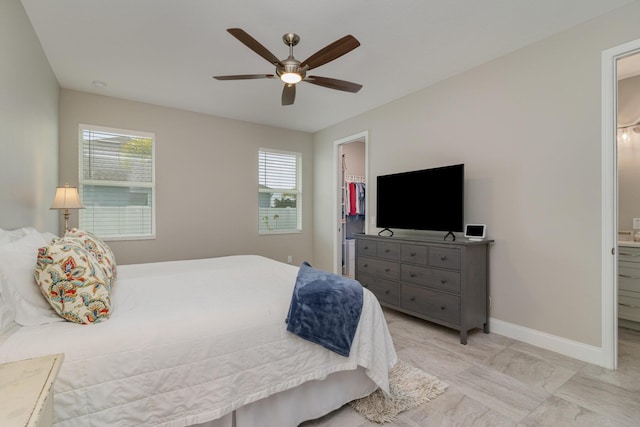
629	285
443	282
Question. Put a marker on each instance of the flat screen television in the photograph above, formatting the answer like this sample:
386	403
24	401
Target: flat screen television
427	199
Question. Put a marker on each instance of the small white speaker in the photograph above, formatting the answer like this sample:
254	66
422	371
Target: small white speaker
475	231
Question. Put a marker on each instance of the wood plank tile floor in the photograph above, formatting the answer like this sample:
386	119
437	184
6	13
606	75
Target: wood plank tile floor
497	381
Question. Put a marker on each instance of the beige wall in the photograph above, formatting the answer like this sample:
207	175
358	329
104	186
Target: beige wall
206	179
354	155
527	127
628	153
28	125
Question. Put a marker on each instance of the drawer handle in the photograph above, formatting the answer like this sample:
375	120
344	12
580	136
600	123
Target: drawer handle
443	258
412	275
443	307
443	281
386	270
366	265
386	251
365	286
628	305
387	292
366	247
628	277
412	299
412	254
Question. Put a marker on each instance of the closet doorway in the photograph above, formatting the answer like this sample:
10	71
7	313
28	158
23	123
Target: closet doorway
351	199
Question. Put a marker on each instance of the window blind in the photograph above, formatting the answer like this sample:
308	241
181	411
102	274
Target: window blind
279	192
117	183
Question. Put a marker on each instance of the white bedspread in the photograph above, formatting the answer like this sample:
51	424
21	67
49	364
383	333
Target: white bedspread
190	341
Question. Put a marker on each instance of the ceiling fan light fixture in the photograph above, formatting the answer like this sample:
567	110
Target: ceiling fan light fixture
290	78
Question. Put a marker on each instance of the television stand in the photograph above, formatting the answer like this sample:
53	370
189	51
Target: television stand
442	282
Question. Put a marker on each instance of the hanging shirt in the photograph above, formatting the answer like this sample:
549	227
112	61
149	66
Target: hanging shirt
353	199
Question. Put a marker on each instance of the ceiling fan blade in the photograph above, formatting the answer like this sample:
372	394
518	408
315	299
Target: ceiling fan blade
334	83
288	94
245	77
254	45
333	51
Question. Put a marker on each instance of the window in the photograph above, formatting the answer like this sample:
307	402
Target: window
279	192
117	183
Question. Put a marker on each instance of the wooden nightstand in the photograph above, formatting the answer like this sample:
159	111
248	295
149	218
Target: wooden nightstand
26	391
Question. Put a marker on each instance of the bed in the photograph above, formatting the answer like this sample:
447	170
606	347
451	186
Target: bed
192	342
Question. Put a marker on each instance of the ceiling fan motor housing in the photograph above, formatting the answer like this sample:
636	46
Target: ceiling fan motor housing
291	64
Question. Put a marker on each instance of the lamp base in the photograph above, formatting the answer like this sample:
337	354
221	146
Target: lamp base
66	220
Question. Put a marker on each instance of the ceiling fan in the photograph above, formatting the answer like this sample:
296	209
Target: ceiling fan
292	71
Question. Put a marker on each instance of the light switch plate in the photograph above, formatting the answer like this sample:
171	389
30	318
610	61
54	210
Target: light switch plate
636	223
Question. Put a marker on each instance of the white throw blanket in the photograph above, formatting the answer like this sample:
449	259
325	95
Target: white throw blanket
190	341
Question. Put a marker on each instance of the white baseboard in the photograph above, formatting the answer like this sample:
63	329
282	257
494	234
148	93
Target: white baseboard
577	350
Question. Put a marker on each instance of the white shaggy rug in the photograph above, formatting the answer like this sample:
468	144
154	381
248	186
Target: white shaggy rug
410	387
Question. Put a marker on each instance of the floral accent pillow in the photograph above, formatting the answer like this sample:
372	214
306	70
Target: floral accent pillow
73	282
98	248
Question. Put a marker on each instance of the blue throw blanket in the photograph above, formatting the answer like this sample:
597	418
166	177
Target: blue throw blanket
325	309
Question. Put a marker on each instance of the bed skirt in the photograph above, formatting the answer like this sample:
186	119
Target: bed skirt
294	406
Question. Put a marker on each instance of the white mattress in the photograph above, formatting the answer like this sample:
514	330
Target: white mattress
191	341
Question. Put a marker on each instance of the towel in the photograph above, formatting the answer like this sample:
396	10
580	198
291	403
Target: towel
325	309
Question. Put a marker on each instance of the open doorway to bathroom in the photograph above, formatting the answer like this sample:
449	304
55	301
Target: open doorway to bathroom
628	212
613	59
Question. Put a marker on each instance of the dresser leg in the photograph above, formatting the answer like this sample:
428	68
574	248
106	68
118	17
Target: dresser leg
485	328
463	337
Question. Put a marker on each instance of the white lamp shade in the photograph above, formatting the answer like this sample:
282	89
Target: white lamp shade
67	198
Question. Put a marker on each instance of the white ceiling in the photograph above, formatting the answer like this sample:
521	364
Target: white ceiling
165	52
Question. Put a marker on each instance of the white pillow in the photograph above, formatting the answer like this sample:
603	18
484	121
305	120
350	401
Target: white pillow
48	236
8	236
18	285
7	315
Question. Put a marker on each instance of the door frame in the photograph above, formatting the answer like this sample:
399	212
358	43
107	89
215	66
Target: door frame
610	199
337	193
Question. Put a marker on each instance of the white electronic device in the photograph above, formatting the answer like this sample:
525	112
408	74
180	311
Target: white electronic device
475	231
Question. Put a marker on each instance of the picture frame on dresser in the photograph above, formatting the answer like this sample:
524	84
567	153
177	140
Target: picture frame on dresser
444	282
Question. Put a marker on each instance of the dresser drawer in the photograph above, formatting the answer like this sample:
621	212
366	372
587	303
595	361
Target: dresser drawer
629	306
628	278
431	277
378	267
431	303
388	250
413	253
629	254
366	247
385	290
444	257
